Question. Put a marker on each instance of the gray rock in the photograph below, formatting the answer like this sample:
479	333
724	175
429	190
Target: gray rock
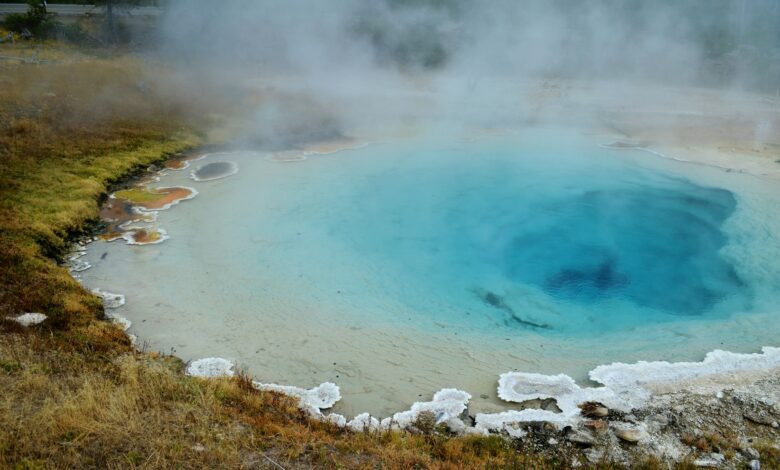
710	461
594	456
597	426
592	409
550	405
29	319
630	433
580	437
754	465
759	417
661	420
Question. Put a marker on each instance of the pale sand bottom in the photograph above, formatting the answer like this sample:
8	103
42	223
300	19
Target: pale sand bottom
380	368
383	369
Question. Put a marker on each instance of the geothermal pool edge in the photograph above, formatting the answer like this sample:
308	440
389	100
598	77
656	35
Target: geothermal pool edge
769	356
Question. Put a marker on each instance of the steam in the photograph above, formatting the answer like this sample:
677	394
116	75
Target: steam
395	60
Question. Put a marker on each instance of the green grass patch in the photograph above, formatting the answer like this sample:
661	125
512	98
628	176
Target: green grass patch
137	195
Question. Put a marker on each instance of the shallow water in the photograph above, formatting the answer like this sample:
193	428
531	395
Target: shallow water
400	268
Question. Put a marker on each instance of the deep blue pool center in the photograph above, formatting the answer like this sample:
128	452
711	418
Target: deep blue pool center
656	247
546	239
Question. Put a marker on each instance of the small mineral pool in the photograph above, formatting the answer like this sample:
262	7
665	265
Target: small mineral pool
214	171
401	268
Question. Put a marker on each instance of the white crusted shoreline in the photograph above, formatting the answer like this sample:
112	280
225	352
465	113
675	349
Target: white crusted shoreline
625	387
621	145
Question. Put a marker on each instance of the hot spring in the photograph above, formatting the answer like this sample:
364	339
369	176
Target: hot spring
403	267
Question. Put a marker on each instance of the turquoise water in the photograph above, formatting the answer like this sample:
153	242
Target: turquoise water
486	225
401	268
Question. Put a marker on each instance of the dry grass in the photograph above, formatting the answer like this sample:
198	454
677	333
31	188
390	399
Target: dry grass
67	405
67	130
69	402
75	394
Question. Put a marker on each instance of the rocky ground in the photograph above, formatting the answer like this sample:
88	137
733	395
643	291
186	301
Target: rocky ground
728	423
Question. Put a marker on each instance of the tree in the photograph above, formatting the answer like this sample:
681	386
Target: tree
37	21
111	24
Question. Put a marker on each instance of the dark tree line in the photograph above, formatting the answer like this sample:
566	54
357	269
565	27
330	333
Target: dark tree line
39	23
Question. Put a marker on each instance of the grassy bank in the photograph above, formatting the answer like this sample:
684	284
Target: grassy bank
74	391
69	127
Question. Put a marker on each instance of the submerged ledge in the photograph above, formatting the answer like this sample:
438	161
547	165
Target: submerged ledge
644	146
331	147
138	236
316	149
290	156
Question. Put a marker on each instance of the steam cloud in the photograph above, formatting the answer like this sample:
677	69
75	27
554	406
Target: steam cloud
342	52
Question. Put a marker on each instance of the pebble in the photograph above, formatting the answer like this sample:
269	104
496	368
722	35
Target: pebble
754	465
592	409
629	434
596	425
659	419
580	437
594	456
710	461
759	417
29	319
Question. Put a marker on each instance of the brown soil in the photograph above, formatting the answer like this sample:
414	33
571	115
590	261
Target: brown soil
145	237
168	196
